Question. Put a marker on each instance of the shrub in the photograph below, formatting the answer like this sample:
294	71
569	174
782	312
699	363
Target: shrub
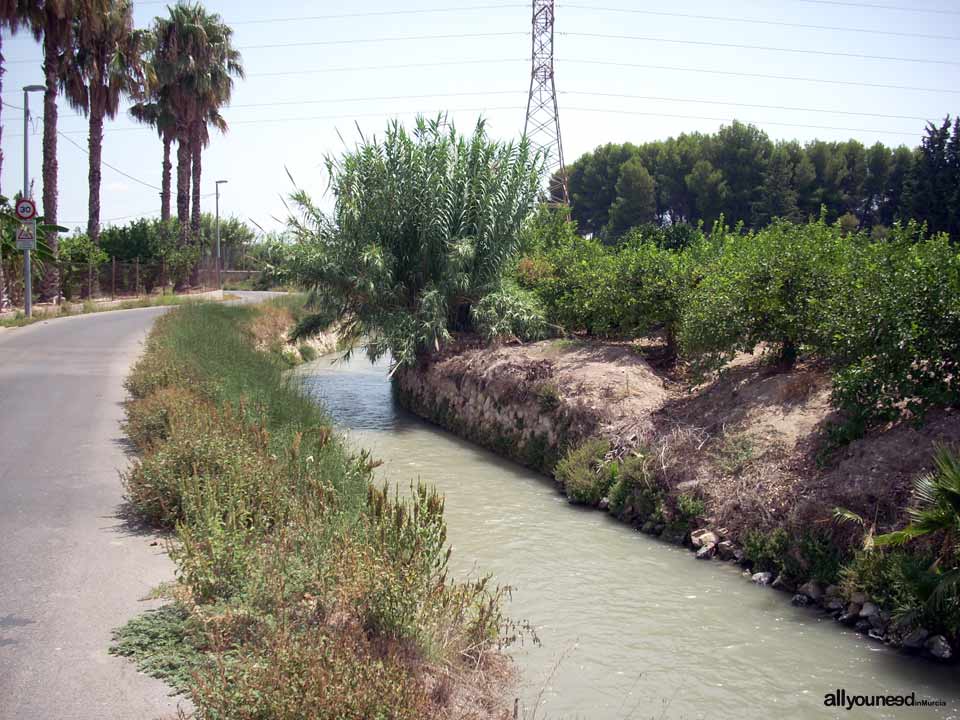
769	551
764	287
689	509
582	474
510	313
892	327
636	497
150	419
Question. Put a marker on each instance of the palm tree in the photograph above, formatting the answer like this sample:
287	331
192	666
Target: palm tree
195	63
105	64
937	512
156	112
55	19
14	14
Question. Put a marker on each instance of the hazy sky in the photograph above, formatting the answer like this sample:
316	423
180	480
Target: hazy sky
313	70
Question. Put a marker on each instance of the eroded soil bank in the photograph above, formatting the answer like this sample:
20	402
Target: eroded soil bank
748	451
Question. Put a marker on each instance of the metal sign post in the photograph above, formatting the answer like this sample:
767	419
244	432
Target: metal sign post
26	211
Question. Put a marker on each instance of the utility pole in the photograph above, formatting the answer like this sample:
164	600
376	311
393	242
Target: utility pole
27	279
218	184
542	126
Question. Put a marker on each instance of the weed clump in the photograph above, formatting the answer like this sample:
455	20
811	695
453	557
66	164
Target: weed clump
582	474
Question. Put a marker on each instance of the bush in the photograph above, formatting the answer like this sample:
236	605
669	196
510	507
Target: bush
150	419
892	327
635	496
582	474
769	551
764	287
510	313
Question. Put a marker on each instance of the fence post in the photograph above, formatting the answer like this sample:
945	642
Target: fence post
113	279
163	275
136	282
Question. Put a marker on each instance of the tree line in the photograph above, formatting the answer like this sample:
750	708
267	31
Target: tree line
178	74
739	173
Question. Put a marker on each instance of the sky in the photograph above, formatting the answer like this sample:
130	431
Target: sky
320	72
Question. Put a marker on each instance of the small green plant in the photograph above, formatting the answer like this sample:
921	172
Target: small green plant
768	551
582	474
163	643
734	453
689	509
821	557
549	396
308	353
636	497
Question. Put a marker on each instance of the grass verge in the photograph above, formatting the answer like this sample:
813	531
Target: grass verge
18	319
303	591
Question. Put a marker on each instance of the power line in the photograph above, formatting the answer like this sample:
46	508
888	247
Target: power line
381	13
748	105
738	46
751	122
403	38
793	78
358	41
394	66
754	21
106	164
875	6
323	101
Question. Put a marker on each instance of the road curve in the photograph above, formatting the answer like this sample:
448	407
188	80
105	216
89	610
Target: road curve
71	569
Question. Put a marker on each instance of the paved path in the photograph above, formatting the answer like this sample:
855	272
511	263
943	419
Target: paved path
71	570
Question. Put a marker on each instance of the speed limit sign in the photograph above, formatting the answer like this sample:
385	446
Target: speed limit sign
26	209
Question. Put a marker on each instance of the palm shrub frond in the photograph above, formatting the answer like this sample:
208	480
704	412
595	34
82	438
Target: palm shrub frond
936	513
425	225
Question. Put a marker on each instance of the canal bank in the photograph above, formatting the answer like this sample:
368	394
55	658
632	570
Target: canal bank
740	467
630	626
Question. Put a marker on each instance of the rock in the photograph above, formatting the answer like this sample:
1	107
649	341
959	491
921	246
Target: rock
800	600
812	590
726	550
869	610
648	527
781	583
604	503
859	598
700	538
862	626
833	591
762	578
707	552
835	604
878	622
854	609
875	634
847	619
741	558
939	648
915	639
673	535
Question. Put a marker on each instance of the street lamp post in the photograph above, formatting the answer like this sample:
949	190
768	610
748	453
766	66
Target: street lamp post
218	184
27	279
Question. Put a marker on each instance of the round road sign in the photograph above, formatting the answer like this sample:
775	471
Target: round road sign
26	209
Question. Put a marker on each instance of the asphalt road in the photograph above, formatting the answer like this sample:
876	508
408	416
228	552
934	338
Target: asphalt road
71	568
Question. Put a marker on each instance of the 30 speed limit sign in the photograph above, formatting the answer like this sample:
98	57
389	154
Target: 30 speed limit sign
26	209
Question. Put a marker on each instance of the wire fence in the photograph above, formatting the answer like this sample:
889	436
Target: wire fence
113	279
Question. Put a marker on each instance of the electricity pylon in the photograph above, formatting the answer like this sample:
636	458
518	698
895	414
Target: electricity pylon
542	126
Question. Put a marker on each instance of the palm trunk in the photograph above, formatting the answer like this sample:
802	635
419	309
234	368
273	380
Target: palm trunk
183	186
4	298
165	180
196	151
50	286
93	176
